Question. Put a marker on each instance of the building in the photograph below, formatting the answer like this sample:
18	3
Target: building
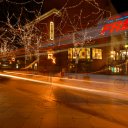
57	34
73	40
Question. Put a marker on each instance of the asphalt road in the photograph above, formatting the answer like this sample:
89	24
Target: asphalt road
25	104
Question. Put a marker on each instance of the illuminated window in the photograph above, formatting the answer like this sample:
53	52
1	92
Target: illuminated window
96	53
113	55
123	54
70	53
87	53
115	69
76	53
51	30
117	56
83	53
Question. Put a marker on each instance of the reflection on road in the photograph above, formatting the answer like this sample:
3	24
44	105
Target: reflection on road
25	104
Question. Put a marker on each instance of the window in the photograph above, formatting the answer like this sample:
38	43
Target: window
96	53
82	53
113	55
124	54
88	53
76	52
117	56
70	53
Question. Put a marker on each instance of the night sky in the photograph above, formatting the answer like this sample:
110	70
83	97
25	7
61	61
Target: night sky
28	8
31	8
120	5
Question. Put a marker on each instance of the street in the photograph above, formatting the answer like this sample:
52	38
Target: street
26	104
64	64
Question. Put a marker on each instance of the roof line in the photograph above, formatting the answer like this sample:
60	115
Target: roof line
44	16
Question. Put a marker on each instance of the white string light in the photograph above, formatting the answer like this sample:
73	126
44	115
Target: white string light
66	20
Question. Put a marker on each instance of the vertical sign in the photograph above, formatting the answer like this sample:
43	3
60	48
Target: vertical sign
51	30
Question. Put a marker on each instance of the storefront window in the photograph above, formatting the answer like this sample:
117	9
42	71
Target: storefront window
96	53
123	54
117	56
113	55
88	53
70	53
82	53
76	52
115	69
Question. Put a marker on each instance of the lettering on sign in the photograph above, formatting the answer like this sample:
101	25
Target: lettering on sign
115	27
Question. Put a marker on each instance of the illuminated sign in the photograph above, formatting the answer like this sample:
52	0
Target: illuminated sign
51	30
118	26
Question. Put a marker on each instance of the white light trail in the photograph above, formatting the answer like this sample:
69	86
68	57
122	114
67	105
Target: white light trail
88	90
91	81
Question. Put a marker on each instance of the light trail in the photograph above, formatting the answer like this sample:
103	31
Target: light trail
98	82
88	90
22	78
28	74
92	81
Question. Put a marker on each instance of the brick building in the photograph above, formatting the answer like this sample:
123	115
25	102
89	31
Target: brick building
60	50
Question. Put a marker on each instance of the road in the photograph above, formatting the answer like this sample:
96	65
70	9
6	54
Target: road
26	104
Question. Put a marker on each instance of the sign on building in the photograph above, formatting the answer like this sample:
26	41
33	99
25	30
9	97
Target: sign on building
51	30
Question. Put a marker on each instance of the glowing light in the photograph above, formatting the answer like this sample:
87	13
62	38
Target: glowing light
13	58
112	52
31	41
17	66
54	60
112	56
95	91
126	46
51	30
84	53
50	55
92	81
115	27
